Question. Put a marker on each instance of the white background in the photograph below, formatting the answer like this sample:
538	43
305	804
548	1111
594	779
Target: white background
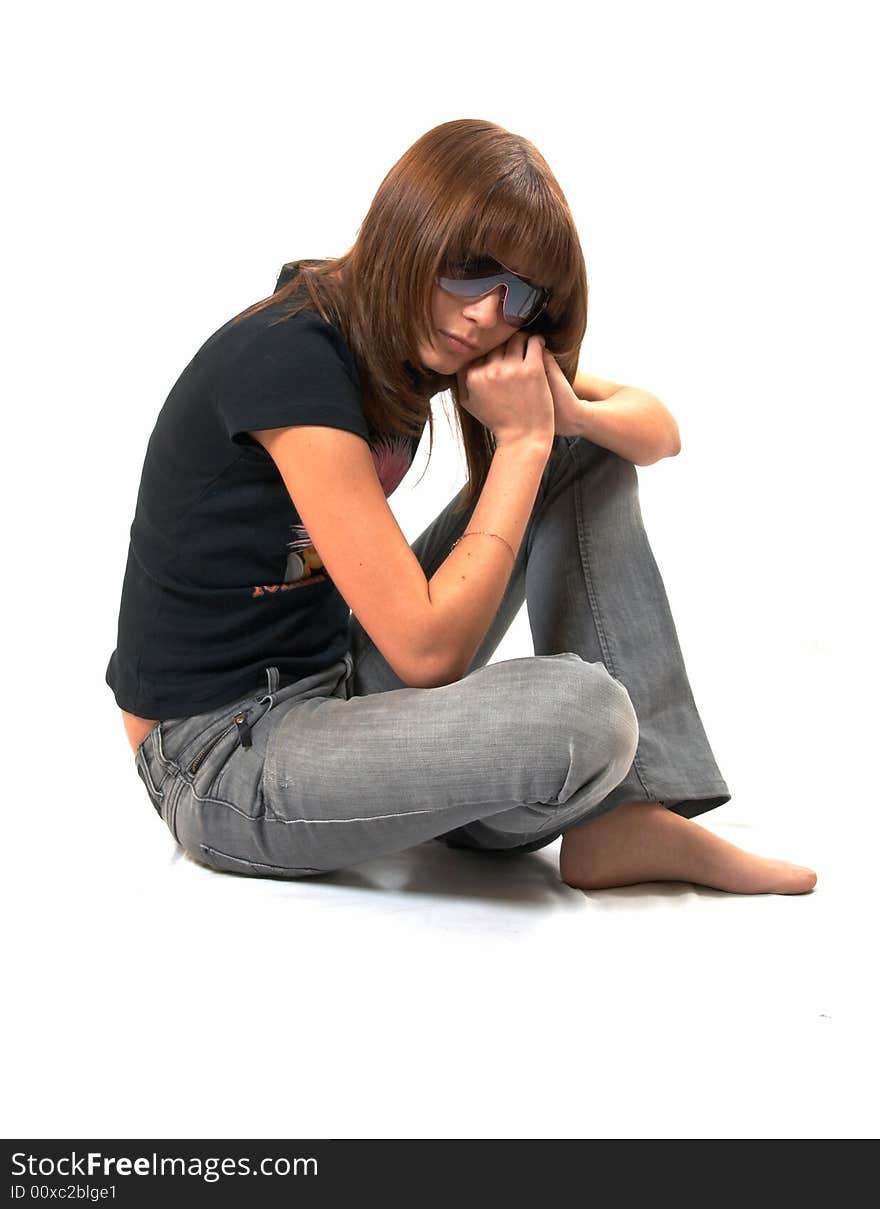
161	164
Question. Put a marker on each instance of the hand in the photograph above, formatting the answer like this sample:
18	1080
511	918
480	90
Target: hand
508	391
568	409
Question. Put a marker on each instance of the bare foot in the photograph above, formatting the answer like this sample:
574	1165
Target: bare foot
645	842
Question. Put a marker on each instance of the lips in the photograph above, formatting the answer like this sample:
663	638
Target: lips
458	340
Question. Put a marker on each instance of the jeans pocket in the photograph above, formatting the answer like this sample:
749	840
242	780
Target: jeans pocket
226	767
212	757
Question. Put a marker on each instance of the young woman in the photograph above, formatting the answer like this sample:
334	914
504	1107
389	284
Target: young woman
303	689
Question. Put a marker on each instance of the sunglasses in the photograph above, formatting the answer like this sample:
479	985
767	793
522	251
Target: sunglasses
522	302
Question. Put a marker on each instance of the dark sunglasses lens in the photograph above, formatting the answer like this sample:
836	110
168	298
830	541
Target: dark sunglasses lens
522	302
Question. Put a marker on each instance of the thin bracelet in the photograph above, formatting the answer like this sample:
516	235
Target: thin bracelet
483	533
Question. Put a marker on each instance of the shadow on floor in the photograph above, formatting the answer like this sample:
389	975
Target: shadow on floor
433	870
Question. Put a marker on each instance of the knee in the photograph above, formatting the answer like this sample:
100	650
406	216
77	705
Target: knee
623	729
596	710
611	719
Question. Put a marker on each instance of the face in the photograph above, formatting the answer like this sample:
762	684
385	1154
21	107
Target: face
478	321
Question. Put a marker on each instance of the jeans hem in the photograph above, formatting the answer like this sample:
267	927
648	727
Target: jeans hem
688	808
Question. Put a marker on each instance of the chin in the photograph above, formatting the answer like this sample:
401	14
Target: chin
434	361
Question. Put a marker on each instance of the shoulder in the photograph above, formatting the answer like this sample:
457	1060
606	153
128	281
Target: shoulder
281	369
277	336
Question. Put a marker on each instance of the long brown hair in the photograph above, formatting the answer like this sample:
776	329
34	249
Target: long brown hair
466	188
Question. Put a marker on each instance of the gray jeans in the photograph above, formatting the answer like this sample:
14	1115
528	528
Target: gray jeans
350	763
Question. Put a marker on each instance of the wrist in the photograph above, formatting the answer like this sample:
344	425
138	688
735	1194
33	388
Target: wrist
528	446
586	422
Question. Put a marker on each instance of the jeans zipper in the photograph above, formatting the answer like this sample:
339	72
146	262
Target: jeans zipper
239	723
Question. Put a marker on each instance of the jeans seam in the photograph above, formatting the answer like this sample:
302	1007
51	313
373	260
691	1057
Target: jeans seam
258	864
210	800
171	804
160	793
169	765
364	818
583	535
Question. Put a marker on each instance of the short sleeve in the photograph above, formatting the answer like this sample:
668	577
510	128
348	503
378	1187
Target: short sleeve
294	371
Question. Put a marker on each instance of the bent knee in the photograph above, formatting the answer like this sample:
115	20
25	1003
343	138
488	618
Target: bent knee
607	717
615	720
602	708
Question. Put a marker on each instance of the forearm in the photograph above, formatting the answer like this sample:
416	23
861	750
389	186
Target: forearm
627	420
633	424
467	589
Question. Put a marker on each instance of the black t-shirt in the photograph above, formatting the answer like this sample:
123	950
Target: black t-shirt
222	580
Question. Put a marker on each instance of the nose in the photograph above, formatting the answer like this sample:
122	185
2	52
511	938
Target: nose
488	310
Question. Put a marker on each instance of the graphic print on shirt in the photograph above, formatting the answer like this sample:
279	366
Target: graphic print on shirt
303	560
391	456
303	566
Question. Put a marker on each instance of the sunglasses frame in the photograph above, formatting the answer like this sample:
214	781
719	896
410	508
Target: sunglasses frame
543	291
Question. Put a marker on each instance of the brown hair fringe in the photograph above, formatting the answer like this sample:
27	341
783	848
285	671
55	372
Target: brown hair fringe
466	188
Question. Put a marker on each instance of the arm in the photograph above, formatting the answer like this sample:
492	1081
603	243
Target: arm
428	632
625	419
467	589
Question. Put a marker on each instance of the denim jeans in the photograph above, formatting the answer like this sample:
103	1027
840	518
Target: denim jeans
350	763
